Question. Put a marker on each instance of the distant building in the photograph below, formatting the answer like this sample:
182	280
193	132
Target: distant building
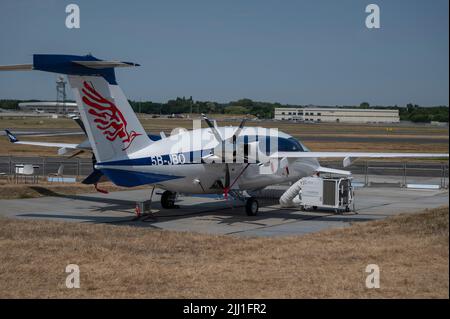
337	115
49	107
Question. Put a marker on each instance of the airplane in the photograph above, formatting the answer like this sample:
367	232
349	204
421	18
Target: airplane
212	160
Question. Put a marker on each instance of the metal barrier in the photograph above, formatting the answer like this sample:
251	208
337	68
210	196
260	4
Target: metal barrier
401	173
398	173
44	166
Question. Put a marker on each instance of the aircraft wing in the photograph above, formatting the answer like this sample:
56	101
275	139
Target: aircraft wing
14	140
60	145
322	169
350	156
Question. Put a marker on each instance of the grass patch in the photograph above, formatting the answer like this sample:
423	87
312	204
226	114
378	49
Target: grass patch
23	191
131	262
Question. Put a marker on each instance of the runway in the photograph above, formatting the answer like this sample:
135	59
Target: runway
37	132
214	215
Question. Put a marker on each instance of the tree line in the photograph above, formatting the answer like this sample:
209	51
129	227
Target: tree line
188	105
263	110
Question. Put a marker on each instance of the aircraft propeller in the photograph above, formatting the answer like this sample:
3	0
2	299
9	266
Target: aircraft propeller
220	139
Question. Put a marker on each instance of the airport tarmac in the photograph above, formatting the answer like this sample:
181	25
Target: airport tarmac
214	215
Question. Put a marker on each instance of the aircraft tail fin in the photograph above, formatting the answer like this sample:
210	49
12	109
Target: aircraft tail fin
112	126
12	138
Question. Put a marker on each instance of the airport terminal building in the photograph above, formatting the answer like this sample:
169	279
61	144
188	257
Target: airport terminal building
337	115
49	107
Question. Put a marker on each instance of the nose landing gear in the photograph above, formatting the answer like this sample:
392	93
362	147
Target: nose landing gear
251	204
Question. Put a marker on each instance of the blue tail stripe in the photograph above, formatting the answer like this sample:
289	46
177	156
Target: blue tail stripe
130	179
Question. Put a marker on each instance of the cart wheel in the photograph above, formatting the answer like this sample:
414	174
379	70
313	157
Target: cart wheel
168	200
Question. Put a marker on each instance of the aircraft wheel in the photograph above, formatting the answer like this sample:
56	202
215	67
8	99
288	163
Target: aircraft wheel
251	206
168	199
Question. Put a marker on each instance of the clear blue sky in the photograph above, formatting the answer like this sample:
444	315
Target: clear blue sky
298	52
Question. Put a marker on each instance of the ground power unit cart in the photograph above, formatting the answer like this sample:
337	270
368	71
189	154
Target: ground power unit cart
332	193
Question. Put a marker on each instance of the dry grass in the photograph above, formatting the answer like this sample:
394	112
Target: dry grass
13	123
20	191
411	251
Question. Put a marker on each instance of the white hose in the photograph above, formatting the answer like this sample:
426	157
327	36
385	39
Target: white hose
290	197
268	193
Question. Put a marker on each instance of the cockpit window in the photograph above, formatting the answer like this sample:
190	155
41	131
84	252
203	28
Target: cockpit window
303	148
272	144
284	145
289	145
299	147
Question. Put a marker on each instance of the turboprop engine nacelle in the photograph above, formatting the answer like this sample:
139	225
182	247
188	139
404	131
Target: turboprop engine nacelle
228	152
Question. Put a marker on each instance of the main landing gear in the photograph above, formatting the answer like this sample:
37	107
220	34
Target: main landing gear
251	206
168	200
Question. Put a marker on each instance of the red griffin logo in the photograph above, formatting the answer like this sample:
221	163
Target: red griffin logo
108	117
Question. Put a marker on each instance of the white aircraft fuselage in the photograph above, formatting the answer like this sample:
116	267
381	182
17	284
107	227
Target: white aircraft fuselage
176	163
